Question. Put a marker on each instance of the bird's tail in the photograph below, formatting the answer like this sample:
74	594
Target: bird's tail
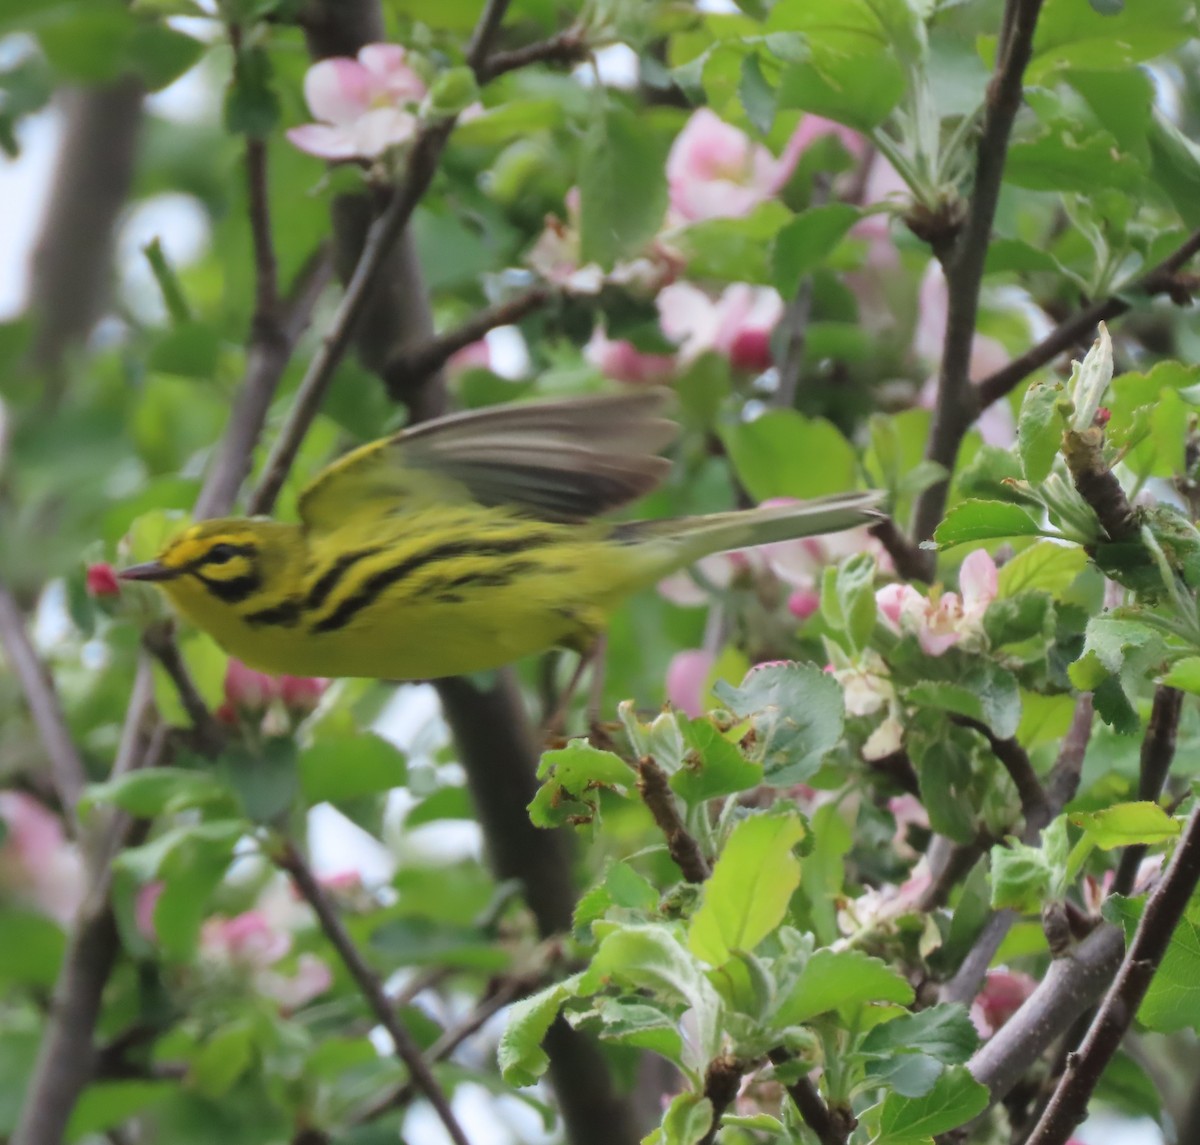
691	538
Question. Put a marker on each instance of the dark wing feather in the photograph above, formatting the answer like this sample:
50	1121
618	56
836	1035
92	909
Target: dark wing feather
557	460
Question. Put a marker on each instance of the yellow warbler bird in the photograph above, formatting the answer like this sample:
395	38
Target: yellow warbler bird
460	544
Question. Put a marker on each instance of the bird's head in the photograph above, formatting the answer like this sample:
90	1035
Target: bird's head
217	566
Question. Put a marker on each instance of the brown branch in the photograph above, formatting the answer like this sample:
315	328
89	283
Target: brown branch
266	267
828	1128
160	643
1164	909
660	801
1158	751
1071	985
722	1080
1060	789
909	561
1016	762
1081	326
271	348
408	370
1083	451
67	770
964	261
564	48
292	862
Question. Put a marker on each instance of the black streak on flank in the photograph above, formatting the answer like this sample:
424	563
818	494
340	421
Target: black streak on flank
331	577
376	584
286	614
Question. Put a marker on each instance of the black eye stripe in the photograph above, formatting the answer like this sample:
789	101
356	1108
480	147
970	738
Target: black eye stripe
221	554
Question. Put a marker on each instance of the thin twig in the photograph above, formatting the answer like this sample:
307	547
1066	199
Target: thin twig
1082	325
1016	762
292	862
909	561
1060	789
954	409
160	643
660	801
410	368
1164	909
266	286
484	35
1158	751
813	1110
567	47
67	769
722	1080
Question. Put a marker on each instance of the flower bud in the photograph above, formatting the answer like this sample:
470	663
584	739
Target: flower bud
249	691
102	580
301	694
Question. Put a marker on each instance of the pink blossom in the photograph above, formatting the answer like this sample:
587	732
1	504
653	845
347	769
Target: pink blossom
715	171
362	104
737	325
102	580
803	602
908	811
1002	995
249	945
247	690
686	676
885	740
556	256
624	362
941	623
38	866
301	694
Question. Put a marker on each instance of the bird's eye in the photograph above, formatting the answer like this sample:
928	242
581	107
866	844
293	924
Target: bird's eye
219	554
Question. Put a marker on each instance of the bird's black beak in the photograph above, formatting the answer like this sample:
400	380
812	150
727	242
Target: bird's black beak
151	570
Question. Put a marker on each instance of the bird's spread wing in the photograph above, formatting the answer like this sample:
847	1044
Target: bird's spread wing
558	460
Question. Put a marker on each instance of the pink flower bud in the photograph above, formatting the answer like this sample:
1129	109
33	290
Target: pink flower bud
247	690
803	603
1102	416
301	694
102	580
750	350
686	675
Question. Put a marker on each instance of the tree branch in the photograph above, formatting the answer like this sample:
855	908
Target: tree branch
160	643
67	770
910	562
722	1080
292	862
813	1110
964	262
1082	325
1060	788
408	370
1164	909
1158	751
1016	762
567	47
660	801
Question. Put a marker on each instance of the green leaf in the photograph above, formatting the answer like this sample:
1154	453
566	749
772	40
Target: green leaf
1172	1001
265	776
650	957
972	521
713	766
226	1055
752	882
1063	159
687	1120
155	791
1040	429
1021	877
1045	566
520	1055
982	690
756	94
571	776
251	103
734	249
832	980
160	54
642	1024
1184	675
346	767
31	947
1175	165
802	245
796	713
107	1104
848	599
784	454
943	1032
954	1100
622	185
1124	824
